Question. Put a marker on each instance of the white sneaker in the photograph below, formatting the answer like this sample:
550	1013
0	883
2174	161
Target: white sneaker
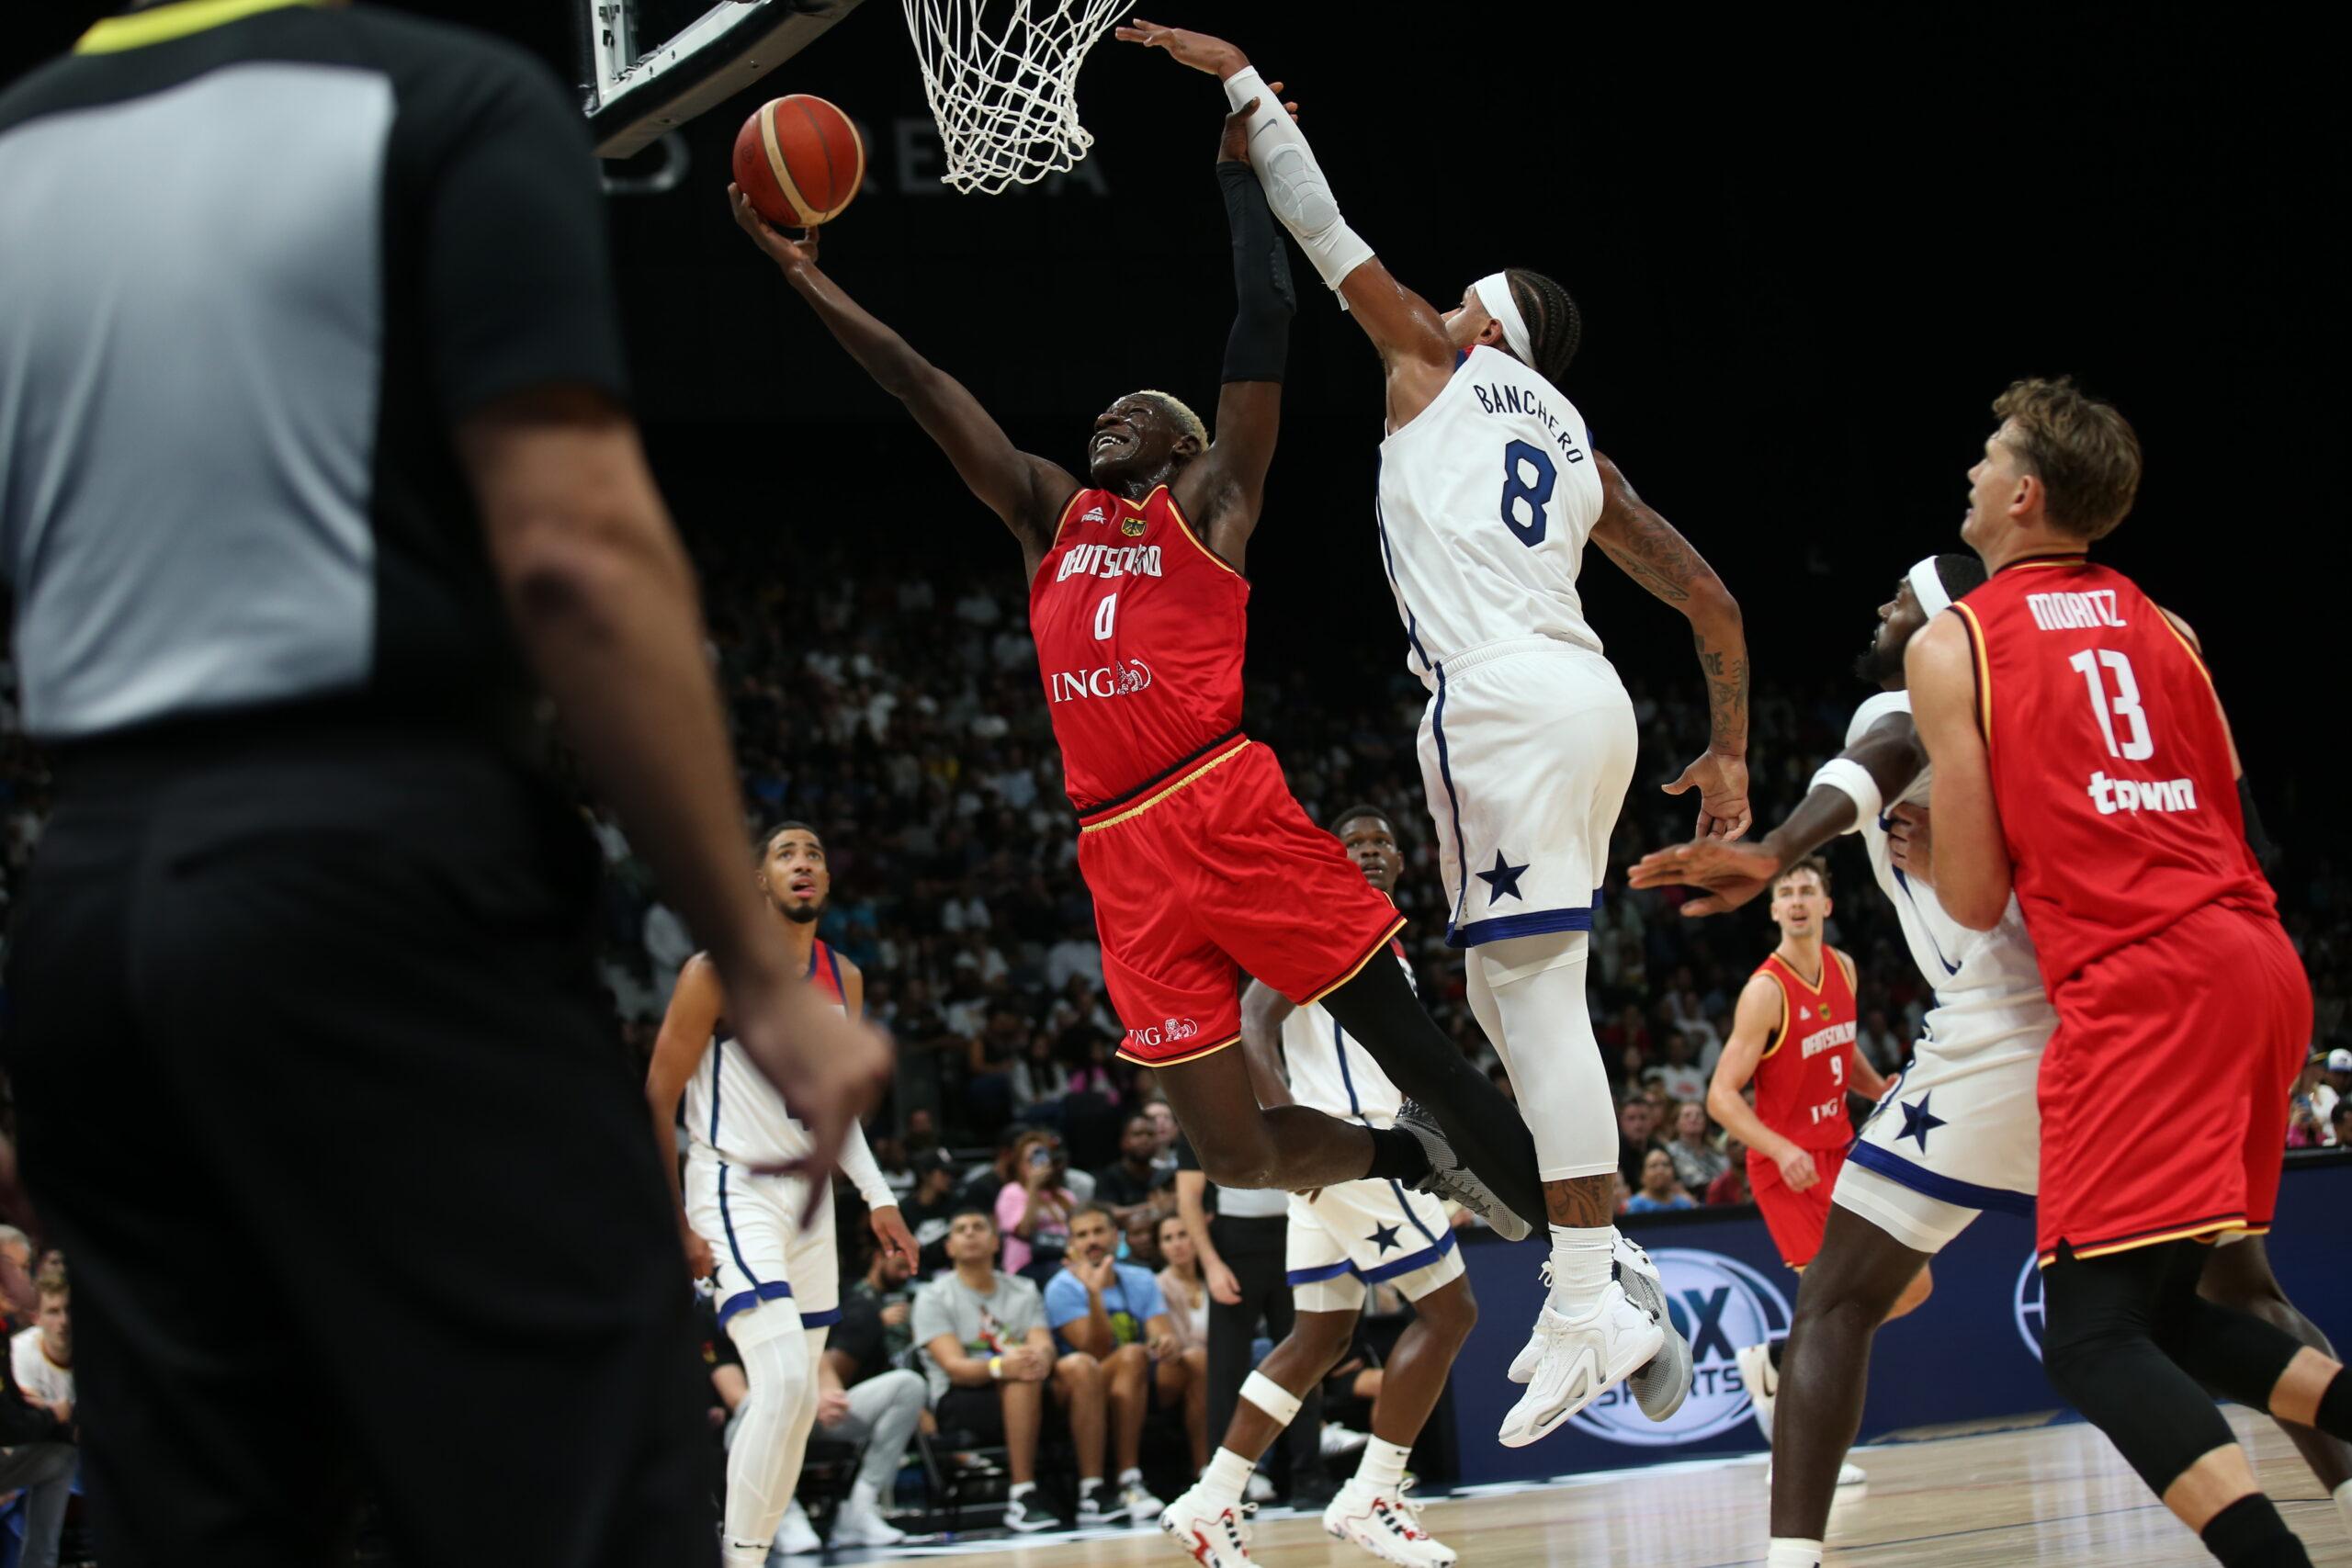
1028	1513
860	1524
1340	1441
1387	1524
1141	1505
1660	1385
1849	1474
1215	1535
1763	1383
795	1536
1091	1513
1582	1359
1522	1366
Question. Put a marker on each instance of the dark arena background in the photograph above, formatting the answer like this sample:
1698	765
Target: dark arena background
1810	248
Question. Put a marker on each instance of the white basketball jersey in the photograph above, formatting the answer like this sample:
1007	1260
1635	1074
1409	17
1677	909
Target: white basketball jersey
1331	1072
1487	497
1988	984
734	1112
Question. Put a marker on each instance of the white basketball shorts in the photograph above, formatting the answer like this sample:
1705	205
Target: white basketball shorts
1363	1233
1957	1133
1526	750
761	1253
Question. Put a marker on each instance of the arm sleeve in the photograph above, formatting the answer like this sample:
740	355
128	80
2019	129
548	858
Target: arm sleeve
517	275
864	1172
1263	298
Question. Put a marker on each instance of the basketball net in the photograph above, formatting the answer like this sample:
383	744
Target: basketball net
1002	76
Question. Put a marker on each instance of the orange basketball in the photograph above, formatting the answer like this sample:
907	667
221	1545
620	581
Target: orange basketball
799	159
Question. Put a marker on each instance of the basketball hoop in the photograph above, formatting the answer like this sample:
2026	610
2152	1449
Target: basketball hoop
1002	76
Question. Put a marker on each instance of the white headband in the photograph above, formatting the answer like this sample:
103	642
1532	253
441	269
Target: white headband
1494	293
1927	585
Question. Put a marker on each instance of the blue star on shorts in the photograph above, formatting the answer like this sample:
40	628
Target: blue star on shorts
1386	1236
1918	1122
1503	881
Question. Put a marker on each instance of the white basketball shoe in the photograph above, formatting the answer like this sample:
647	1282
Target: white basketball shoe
1213	1534
1581	1358
1659	1386
1387	1524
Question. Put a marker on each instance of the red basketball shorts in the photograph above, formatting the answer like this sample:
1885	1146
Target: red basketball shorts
1213	873
2164	1091
1795	1219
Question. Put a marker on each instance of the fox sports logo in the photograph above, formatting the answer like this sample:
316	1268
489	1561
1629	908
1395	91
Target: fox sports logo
1720	1304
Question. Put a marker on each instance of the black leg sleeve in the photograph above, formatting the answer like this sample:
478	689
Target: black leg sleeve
1378	1007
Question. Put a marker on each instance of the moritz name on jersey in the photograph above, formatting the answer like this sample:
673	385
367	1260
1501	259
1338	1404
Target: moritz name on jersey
2072	612
1109	561
1497	397
2111	796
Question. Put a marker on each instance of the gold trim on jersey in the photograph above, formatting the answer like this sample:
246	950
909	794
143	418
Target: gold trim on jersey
1980	659
1156	796
1125	1056
1182	522
2202	1228
1357	967
1773	966
2194	657
164	23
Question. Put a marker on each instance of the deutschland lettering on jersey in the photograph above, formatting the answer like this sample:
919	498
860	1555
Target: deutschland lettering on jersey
1140	631
1801	1082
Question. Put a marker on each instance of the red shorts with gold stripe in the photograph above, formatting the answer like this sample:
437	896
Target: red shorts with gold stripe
1211	873
2164	1091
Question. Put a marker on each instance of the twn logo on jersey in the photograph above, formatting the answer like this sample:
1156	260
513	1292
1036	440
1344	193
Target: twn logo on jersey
1116	679
2028	1305
2111	796
1167	1032
1720	1304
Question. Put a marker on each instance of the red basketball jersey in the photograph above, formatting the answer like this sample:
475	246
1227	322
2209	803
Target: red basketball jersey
2110	762
1140	632
1801	1080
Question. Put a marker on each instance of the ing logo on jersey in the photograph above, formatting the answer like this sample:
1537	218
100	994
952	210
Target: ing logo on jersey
1167	1032
1720	1304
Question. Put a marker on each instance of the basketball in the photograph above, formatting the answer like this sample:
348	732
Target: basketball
799	159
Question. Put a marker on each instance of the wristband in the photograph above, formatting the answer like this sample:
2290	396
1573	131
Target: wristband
1853	781
996	1369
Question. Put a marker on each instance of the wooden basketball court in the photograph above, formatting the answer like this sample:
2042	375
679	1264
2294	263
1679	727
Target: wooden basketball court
2044	1495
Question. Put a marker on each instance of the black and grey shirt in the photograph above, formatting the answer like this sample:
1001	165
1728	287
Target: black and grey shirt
258	259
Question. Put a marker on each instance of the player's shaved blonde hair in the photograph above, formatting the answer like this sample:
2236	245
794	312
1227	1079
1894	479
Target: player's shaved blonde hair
1187	422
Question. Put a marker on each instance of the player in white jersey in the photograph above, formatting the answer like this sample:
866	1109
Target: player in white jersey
1341	1239
754	1225
1960	1130
1490	491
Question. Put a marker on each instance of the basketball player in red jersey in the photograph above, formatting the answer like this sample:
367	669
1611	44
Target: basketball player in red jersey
2082	761
1792	1035
1201	863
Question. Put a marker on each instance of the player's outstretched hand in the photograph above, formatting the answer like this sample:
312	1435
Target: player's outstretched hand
830	1071
1727	874
1911	844
1199	51
1720	780
785	253
890	1230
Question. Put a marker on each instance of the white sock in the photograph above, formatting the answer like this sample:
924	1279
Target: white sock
1582	1257
1226	1477
1130	1477
1088	1485
1019	1490
1787	1552
2344	1502
1382	1466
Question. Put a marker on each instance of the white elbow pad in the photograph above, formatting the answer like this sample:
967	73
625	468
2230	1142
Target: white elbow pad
1296	192
1853	781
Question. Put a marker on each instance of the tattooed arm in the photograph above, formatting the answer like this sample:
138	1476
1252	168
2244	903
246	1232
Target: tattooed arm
1652	554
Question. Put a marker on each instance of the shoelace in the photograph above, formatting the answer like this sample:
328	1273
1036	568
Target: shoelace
1409	1508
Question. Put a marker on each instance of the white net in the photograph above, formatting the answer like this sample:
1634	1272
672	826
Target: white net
1002	76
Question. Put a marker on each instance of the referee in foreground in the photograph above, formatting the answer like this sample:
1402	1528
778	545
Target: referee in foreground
313	466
